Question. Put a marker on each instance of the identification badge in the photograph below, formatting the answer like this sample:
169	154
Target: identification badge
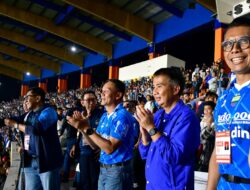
26	142
223	147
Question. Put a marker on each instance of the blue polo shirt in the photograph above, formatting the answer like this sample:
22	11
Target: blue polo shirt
120	125
170	160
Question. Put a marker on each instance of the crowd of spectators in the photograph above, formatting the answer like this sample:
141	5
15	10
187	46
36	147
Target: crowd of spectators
6	136
201	81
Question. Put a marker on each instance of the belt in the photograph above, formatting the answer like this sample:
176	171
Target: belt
114	165
235	179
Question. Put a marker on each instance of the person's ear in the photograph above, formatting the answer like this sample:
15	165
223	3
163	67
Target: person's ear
176	89
38	98
118	95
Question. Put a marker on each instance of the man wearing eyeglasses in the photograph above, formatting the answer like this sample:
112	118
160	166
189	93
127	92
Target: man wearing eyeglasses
89	165
42	150
115	136
230	162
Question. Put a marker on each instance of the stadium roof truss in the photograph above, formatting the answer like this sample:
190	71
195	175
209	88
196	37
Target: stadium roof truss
36	35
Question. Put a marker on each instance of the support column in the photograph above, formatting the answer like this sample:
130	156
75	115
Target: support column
218	38
85	79
43	84
62	85
151	50
113	69
24	89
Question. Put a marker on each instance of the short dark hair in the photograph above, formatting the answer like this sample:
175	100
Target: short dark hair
119	85
209	103
38	91
240	21
213	94
186	91
88	92
175	75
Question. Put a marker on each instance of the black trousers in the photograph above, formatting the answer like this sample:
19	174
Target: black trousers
89	172
138	170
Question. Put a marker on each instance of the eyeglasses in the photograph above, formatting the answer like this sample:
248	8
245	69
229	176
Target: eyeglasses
89	100
27	96
242	42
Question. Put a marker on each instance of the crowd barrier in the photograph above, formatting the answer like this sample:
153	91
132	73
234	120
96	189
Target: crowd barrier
200	180
11	182
13	172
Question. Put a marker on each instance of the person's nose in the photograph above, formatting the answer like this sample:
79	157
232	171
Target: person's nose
236	48
155	91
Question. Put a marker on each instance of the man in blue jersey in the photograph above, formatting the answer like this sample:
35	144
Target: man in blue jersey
230	162
115	136
171	137
42	149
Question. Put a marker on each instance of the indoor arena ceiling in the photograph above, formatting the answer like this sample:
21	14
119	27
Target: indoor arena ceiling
36	35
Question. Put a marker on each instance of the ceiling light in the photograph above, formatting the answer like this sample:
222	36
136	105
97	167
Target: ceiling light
28	73
73	48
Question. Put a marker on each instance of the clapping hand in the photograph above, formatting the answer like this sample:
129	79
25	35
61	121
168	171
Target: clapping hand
9	122
146	121
78	121
208	119
145	118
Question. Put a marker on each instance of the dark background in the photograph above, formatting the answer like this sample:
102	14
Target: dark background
194	47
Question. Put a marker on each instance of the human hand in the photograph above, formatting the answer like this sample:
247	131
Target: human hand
78	122
145	119
9	122
72	151
143	131
78	115
208	120
145	138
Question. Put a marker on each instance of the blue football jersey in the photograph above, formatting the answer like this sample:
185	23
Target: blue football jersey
232	113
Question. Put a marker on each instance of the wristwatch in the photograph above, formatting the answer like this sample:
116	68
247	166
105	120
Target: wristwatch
90	131
153	131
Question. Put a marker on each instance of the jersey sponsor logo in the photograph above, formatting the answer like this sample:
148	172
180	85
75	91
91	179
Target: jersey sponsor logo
237	132
238	118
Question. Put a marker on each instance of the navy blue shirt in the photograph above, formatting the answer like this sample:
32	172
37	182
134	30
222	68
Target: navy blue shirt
41	126
94	120
31	120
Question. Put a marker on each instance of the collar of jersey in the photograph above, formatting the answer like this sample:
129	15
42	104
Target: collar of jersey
119	106
239	87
